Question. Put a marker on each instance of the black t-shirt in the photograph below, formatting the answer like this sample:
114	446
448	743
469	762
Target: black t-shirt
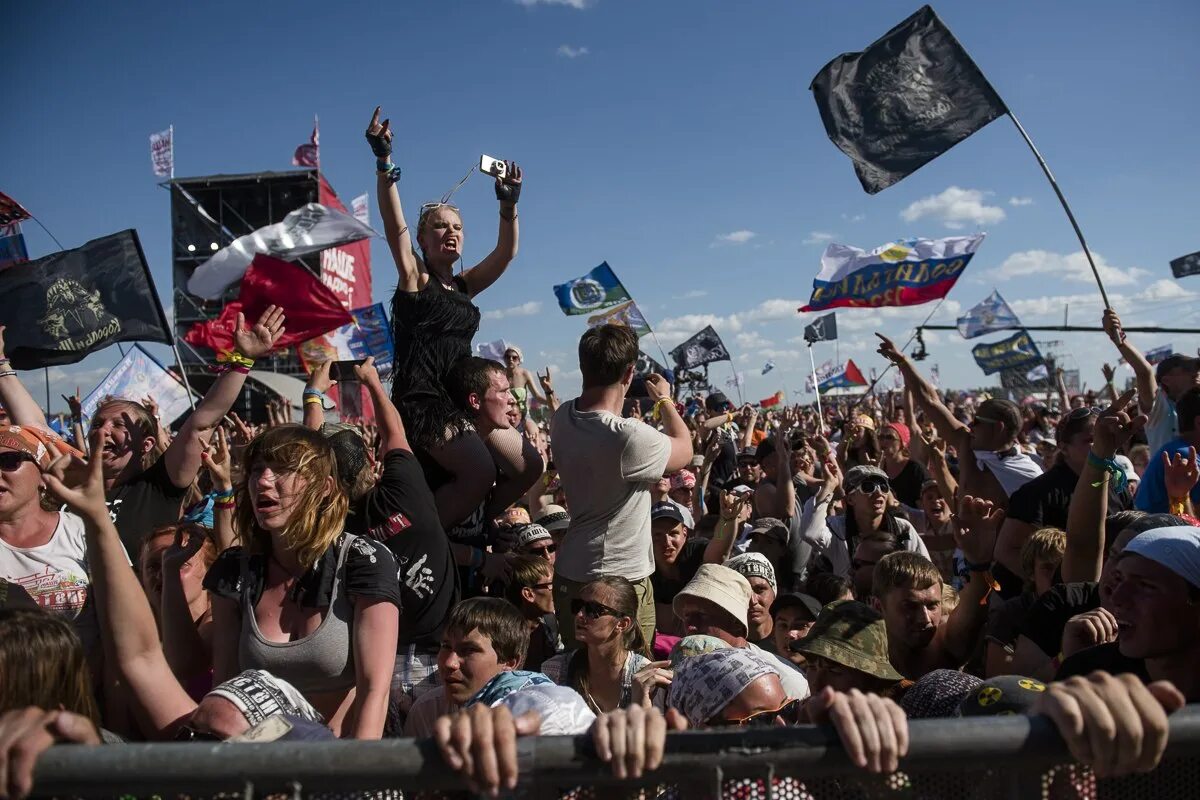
1044	501
147	502
689	560
399	512
725	464
907	485
1044	623
1107	657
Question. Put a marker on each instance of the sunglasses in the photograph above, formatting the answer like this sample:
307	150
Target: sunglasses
593	610
543	551
547	585
760	719
1083	413
872	485
188	734
11	460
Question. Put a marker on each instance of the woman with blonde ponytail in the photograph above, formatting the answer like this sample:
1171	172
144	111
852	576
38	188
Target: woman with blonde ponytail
300	597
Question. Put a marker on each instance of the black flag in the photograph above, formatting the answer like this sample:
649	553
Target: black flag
1186	265
705	347
905	100
822	329
66	305
646	365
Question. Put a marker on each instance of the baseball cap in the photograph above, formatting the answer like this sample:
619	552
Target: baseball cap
1002	696
666	510
797	600
34	442
748	453
770	526
1176	361
554	518
856	475
717	401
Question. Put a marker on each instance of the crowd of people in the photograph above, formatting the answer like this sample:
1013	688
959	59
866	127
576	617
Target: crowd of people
627	567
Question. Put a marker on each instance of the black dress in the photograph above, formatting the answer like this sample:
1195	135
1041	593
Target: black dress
433	330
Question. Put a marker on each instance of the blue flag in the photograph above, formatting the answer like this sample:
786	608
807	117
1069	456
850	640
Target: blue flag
1015	352
992	314
597	290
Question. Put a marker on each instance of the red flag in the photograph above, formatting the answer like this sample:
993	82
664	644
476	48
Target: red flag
773	400
853	374
309	154
310	307
11	210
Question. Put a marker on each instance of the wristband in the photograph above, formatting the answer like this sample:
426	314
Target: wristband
313	401
1177	506
313	393
657	412
392	173
224	505
382	166
224	494
1110	467
7	372
4	361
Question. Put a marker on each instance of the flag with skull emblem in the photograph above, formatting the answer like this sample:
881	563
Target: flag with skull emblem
63	306
705	347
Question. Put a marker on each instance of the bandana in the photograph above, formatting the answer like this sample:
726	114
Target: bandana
505	684
259	694
683	479
753	565
703	685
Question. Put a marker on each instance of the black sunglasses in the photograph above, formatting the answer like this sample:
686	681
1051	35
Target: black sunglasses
593	610
188	734
1083	413
11	460
547	549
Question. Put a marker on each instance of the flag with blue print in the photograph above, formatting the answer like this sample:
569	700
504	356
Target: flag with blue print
991	314
597	290
627	314
139	375
767	367
907	272
1015	352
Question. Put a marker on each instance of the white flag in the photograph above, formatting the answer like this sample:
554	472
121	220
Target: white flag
162	153
493	351
135	376
306	230
359	207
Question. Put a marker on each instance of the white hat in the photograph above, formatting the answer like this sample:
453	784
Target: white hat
753	565
1127	467
1177	548
554	518
527	534
723	587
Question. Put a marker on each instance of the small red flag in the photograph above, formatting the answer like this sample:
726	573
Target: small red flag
11	210
773	400
310	307
309	154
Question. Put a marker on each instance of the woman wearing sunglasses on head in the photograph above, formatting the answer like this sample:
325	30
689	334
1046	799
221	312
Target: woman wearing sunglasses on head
434	321
613	650
871	513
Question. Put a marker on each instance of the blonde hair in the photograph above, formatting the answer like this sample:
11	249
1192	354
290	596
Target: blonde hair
42	664
903	570
1047	544
320	513
428	209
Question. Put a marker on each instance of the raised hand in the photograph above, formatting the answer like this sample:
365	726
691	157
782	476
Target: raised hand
1115	427
187	543
979	522
242	434
79	484
737	506
74	402
547	384
215	457
657	387
508	188
379	136
649	678
319	379
1088	629
1112	326
256	342
888	349
366	372
1109	372
1180	473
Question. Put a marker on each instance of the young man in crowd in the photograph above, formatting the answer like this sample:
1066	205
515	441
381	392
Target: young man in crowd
530	589
1159	388
484	637
608	464
792	617
717	603
759	573
534	540
775	496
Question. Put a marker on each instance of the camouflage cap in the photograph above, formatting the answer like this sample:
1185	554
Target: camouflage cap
852	634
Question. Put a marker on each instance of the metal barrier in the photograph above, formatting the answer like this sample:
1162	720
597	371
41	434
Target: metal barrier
998	757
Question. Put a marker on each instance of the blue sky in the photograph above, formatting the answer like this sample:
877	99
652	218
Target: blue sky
676	140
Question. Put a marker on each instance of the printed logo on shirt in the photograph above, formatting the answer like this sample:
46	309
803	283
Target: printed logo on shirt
58	592
114	508
418	578
396	523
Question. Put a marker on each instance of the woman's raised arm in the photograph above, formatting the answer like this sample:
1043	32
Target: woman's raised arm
379	136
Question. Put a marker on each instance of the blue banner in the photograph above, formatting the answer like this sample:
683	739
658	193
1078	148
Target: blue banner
371	335
12	245
992	314
136	376
597	290
1015	352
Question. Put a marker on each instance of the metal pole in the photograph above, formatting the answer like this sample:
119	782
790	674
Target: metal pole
171	128
1054	184
183	373
816	388
1076	329
46	370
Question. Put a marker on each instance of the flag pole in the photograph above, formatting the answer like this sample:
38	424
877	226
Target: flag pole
1063	200
183	372
816	388
171	128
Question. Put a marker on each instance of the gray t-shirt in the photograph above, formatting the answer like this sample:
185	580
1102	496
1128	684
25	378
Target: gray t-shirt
607	465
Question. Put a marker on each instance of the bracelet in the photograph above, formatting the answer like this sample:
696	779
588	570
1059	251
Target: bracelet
310	392
1108	466
224	494
7	372
382	166
4	361
392	173
224	505
313	401
235	358
656	412
1177	506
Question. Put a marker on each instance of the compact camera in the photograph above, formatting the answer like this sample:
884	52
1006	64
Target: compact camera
492	166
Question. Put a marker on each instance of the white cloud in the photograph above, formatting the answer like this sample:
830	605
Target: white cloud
523	310
736	237
692	295
855	218
752	340
1070	267
954	207
1020	201
576	4
819	237
567	51
775	308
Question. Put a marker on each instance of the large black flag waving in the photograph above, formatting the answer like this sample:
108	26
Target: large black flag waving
646	365
63	306
705	347
821	329
909	97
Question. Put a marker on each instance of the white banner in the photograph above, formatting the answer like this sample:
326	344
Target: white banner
360	207
162	153
135	377
306	230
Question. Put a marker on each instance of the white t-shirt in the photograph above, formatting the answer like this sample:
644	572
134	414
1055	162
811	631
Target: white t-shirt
56	575
607	465
793	680
1163	425
1012	471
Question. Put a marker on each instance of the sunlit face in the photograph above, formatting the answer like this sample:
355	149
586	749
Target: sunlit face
668	538
496	403
127	440
1176	382
1108	571
792	623
275	495
19	486
1156	613
889	442
466	662
935	507
512	359
441	237
870	497
596	629
700	616
541	594
682	496
761	598
912	615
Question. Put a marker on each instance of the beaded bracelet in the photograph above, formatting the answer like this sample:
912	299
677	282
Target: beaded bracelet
224	505
4	361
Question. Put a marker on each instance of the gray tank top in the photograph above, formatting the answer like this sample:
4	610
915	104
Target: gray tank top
323	661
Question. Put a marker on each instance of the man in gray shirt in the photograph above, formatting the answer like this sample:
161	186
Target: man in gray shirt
608	465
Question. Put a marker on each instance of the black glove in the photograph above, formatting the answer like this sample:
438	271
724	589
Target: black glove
380	146
509	192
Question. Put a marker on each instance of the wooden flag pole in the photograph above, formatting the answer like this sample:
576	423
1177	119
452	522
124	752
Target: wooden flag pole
1063	200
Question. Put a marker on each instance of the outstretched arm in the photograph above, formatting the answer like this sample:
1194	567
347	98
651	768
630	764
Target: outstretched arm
320	382
17	401
182	458
923	392
394	230
1147	385
391	428
488	271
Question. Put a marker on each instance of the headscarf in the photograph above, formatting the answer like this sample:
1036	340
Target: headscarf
258	694
703	685
505	684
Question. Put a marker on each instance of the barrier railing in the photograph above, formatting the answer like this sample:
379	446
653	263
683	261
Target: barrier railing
1000	757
